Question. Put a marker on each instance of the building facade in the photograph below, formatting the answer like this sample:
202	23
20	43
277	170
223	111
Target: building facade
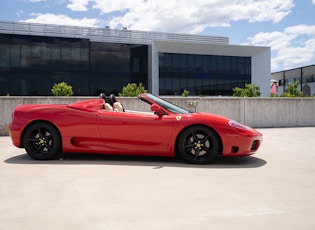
34	57
304	75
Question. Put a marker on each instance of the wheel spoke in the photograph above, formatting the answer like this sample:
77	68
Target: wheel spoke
190	145
48	147
194	136
203	140
40	132
205	149
38	149
197	152
33	140
47	138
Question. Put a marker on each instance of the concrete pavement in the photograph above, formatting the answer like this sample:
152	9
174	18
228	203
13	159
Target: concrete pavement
274	189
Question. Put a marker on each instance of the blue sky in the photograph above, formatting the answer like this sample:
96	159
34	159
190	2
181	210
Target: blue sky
287	26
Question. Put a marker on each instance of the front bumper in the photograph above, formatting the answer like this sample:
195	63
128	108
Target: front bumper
243	144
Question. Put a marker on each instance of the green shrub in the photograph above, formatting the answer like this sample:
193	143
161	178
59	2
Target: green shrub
185	93
250	90
62	89
132	90
292	90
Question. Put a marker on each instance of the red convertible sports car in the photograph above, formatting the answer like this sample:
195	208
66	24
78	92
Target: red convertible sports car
103	126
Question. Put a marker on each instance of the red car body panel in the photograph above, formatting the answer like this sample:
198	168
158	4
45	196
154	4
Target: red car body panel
85	127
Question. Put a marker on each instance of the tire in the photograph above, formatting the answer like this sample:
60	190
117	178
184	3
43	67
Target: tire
198	145
42	141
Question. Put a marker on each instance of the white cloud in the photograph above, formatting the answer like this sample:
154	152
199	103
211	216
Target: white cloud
62	20
181	16
108	6
313	1
37	0
19	13
292	47
78	5
185	16
59	2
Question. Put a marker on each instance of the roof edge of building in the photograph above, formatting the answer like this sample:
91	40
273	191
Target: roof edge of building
104	34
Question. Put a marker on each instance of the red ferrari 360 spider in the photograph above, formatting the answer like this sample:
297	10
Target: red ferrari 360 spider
103	126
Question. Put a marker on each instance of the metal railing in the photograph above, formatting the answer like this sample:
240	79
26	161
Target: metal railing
104	34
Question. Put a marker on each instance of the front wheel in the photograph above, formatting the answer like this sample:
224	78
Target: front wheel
198	145
42	141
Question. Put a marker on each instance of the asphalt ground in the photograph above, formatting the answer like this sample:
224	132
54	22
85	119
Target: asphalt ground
274	189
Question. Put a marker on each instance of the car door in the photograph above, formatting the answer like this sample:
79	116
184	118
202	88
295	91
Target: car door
125	132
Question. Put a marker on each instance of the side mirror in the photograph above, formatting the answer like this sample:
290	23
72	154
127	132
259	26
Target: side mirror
157	109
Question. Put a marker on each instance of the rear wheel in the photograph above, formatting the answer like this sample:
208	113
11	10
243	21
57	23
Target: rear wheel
198	145
42	141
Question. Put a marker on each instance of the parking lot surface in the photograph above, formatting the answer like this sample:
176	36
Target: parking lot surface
273	189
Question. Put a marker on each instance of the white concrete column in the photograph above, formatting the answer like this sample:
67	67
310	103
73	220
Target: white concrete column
153	69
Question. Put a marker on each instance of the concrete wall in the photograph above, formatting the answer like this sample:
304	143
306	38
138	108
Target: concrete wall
255	112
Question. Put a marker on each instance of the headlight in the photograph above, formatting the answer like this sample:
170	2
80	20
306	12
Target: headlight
238	125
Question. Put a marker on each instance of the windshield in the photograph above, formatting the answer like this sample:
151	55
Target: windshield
167	105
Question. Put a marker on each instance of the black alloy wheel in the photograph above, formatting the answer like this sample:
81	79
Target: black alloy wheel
199	145
42	141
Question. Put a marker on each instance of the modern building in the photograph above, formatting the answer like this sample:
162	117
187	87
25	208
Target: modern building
34	57
304	75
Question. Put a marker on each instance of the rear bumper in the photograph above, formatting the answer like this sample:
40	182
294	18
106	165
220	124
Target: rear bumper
15	135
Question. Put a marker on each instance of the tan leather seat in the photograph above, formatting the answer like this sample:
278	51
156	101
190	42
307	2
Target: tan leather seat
107	106
118	107
116	104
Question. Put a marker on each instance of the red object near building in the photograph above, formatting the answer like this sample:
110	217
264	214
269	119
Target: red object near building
47	131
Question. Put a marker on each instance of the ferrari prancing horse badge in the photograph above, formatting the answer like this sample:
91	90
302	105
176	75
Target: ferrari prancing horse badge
178	118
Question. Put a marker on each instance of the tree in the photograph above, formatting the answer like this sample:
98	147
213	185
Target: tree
62	89
250	90
292	90
132	90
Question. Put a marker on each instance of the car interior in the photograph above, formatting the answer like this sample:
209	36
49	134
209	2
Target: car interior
111	103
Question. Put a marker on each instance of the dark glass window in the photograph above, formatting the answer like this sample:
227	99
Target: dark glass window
25	56
65	53
31	65
4	57
202	74
15	56
114	65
